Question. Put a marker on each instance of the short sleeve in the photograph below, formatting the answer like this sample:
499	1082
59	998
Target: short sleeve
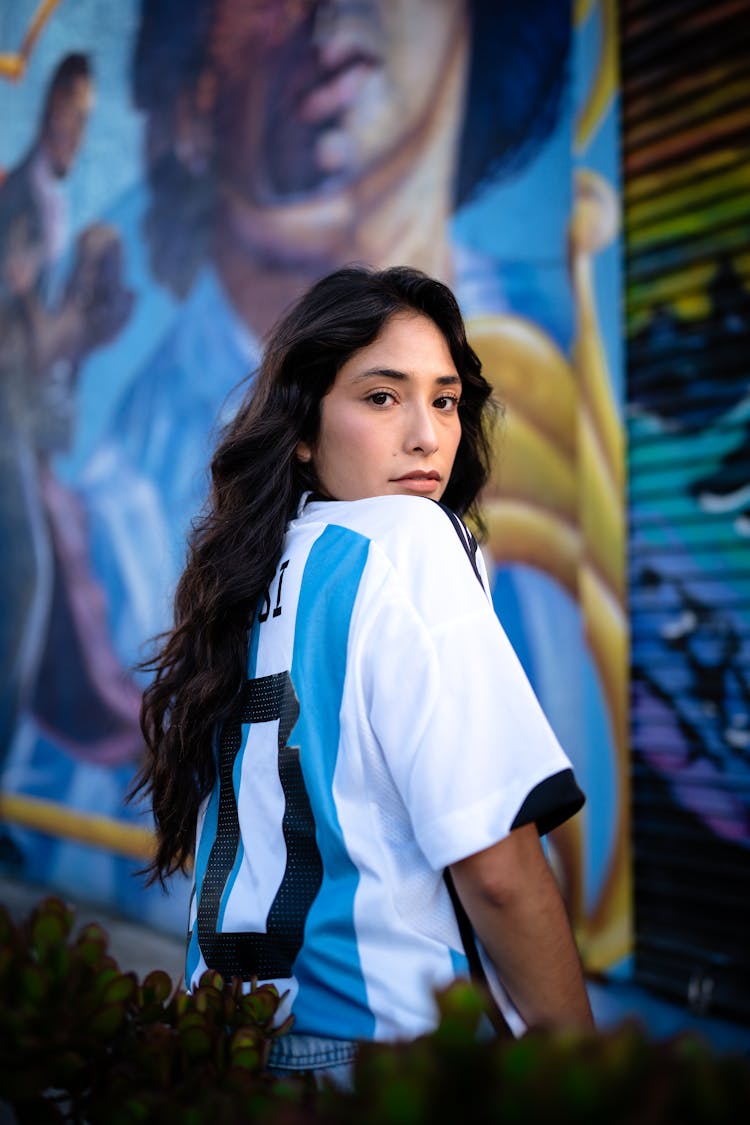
464	737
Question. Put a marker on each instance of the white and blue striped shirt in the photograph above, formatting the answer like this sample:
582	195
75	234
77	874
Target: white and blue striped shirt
386	730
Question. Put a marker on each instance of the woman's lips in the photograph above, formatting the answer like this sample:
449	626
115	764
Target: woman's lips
419	481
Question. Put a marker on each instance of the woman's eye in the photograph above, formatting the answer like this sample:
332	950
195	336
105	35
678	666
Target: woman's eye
380	398
447	403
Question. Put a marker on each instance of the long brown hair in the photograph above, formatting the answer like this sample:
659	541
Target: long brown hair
235	546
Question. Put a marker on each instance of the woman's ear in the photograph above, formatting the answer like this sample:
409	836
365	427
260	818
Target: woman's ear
303	452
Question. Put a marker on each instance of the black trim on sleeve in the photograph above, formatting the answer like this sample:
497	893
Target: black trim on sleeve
551	802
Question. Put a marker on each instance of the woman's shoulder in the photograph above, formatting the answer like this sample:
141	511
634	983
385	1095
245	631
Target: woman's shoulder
389	519
414	534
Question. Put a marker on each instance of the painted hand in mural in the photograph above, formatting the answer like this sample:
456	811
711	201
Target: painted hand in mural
95	291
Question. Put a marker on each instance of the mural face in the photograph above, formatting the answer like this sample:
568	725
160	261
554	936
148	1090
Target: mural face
311	97
178	174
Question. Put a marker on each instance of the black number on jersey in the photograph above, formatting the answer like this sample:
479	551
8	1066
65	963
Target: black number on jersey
263	615
270	954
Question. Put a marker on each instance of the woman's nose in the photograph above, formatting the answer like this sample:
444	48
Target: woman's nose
422	433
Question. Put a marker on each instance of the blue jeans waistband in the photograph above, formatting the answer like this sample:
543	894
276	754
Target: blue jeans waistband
310	1052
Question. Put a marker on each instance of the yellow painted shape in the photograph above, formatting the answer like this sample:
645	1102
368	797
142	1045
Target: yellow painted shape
13	66
606	77
529	374
60	821
519	532
529	467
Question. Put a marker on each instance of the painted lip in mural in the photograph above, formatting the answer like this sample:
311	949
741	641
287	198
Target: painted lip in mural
334	83
418	481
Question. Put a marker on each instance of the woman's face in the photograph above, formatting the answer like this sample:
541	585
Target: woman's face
389	425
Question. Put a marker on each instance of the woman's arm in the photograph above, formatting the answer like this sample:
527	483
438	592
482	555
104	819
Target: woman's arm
515	907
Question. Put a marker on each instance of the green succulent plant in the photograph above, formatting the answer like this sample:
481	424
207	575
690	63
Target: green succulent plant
81	1041
84	1041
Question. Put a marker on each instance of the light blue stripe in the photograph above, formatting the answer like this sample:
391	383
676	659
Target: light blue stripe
460	963
252	664
332	997
208	835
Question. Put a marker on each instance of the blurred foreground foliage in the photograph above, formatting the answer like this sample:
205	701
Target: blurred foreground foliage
81	1041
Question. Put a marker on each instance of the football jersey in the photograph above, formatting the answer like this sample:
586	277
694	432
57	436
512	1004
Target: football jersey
385	731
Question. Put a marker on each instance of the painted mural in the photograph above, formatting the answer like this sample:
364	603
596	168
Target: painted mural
688	325
174	173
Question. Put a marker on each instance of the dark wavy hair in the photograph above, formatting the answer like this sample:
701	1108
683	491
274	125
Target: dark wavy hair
257	483
518	73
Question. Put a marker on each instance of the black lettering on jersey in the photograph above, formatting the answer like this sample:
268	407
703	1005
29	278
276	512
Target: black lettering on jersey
277	607
270	954
263	615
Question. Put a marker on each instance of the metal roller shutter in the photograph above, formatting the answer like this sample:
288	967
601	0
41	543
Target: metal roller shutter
686	157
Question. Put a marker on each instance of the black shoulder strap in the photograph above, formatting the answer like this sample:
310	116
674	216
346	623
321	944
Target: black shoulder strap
468	542
465	929
476	968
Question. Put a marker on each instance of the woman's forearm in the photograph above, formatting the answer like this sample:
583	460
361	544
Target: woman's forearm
514	904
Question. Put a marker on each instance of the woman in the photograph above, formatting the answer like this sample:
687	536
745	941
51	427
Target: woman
337	706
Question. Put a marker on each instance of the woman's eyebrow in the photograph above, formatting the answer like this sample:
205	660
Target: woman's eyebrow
402	376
